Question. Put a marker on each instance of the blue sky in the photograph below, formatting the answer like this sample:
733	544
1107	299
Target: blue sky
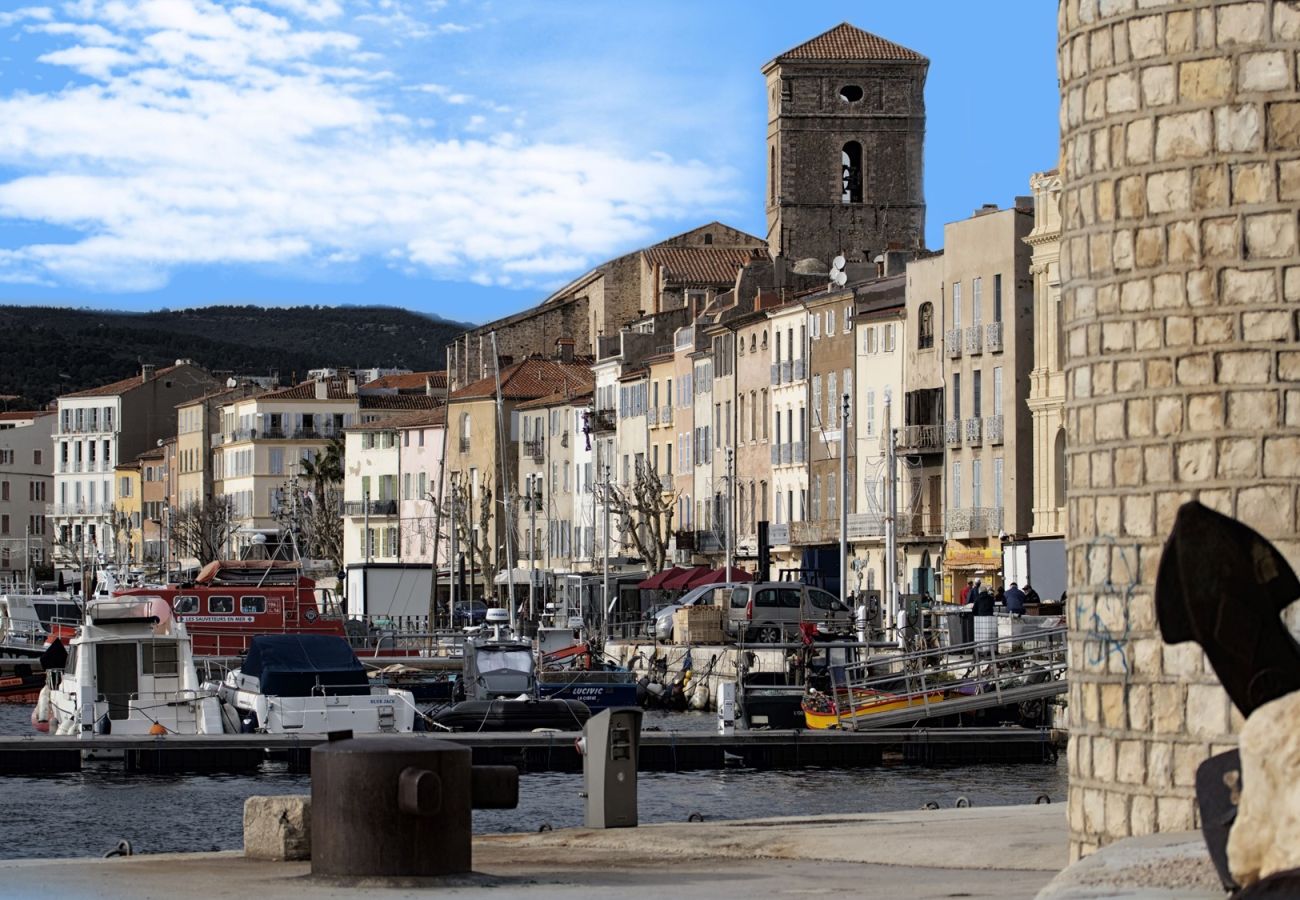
454	157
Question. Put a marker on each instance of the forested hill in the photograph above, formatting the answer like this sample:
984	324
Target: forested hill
49	351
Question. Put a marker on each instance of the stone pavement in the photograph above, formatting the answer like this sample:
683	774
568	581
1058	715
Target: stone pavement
916	854
1170	866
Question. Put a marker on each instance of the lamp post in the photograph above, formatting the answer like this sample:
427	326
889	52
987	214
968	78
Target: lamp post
167	539
846	400
532	503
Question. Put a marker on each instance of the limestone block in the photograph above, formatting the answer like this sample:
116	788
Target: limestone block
1266	836
278	828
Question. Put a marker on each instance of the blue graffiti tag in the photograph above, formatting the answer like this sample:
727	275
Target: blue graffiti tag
1100	639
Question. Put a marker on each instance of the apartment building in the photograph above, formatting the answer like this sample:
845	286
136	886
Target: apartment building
421	438
753	460
99	427
26	478
198	436
788	376
1047	376
555	483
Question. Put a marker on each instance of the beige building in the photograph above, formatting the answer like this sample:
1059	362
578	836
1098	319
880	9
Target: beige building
753	463
1047	377
988	343
26	478
198	434
787	357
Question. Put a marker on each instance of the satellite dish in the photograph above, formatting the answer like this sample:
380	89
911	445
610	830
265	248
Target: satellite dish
838	262
836	274
840	278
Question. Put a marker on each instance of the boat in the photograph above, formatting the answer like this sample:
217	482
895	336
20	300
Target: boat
20	683
311	683
823	711
501	692
232	601
29	621
129	670
568	669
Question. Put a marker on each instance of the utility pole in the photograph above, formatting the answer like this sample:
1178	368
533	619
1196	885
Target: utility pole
533	500
605	499
365	523
504	466
727	524
452	562
846	404
891	515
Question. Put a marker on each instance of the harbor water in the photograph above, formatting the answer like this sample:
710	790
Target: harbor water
87	813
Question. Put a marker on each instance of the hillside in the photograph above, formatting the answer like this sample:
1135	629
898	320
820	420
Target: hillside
49	351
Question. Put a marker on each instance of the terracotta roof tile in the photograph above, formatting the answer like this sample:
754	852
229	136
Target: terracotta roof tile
399	401
846	41
418	419
122	386
306	390
408	381
558	399
699	265
30	414
532	378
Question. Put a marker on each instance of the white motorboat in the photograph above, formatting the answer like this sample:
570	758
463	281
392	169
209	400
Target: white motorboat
311	683
129	670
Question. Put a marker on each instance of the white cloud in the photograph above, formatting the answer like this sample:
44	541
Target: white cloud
215	135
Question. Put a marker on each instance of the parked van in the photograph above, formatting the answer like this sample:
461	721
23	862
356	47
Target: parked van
760	612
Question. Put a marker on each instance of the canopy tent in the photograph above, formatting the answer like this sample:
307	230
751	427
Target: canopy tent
656	582
681	580
720	576
519	576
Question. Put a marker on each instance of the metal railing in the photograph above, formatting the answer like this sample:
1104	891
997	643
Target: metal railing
78	509
974	431
652	416
821	532
536	449
993	337
787	454
922	438
952	342
975	340
787	370
919	524
952	432
779	535
974	520
665	415
373	508
993	429
798	452
602	420
865	525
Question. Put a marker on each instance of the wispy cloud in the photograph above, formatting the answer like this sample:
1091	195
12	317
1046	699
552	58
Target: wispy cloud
269	134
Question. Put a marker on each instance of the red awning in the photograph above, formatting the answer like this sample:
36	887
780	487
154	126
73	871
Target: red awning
656	582
681	581
719	576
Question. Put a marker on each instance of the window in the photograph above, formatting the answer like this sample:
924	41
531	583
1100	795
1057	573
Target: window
816	327
889	337
185	605
956	304
997	481
869	340
850	93
956	396
830	325
221	605
4	490
851	173
976	482
832	402
275	461
830	496
848	318
871	414
997	391
36	457
817	397
956	486
771	178
816	496
977	301
977	383
252	605
159	658
997	298
824	600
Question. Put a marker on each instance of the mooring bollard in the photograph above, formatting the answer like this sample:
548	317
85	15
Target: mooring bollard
610	745
399	807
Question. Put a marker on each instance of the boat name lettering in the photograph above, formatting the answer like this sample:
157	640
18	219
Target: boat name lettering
218	619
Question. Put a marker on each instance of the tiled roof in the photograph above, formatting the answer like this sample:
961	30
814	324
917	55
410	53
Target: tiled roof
238	392
399	401
418	419
409	381
121	387
338	390
532	378
154	453
30	414
559	399
699	265
845	41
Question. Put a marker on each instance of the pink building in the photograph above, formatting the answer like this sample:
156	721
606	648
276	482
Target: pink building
420	448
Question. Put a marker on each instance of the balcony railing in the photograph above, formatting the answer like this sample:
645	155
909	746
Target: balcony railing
974	432
919	524
822	532
865	525
685	540
776	454
922	438
652	416
602	420
78	509
536	449
709	541
952	342
372	508
993	337
976	521
776	373
787	454
778	535
993	429
665	415
975	340
952	433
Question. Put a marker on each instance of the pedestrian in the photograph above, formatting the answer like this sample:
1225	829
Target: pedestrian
965	593
986	626
1031	595
1000	598
1015	600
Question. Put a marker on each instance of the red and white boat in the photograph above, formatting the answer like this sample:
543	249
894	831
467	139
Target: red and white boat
232	600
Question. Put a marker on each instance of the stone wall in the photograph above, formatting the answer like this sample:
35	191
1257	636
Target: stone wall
1180	268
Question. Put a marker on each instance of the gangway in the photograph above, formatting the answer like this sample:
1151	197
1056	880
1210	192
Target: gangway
959	678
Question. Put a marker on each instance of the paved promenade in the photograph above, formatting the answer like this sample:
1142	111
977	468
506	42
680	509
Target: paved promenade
1003	852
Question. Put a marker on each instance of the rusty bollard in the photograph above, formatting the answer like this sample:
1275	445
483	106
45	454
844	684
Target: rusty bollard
399	807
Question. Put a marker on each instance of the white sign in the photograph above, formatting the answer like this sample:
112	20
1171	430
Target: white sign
218	619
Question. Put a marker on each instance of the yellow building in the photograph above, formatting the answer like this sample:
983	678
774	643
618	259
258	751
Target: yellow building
127	509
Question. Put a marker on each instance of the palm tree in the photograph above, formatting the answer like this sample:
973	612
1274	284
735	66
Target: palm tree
327	467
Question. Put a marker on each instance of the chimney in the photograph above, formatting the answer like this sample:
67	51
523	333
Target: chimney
352	385
505	360
564	349
147	371
322	389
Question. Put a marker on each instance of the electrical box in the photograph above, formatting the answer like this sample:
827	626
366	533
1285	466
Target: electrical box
613	743
727	707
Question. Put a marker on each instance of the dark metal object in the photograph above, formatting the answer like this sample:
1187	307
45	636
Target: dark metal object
399	807
1224	586
1218	789
1278	886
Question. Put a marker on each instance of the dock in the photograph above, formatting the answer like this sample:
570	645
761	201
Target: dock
553	751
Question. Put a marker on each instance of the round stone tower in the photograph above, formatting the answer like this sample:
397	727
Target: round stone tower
1180	162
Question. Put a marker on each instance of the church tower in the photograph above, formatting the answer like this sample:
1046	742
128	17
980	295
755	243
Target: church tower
845	133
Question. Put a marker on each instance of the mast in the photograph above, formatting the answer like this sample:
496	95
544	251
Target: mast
505	487
437	525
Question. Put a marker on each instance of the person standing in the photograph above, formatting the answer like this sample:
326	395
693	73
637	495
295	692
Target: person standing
1015	600
1031	595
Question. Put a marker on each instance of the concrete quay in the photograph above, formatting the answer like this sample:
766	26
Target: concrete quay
1003	852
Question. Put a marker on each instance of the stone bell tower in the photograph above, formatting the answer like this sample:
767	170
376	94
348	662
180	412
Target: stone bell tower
846	128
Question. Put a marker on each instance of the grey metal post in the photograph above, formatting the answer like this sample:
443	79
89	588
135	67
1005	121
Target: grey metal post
891	516
727	524
533	493
505	487
452	574
27	557
365	525
605	577
844	505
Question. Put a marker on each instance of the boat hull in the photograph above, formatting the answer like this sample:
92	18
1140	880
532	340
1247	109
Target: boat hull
514	715
864	705
596	696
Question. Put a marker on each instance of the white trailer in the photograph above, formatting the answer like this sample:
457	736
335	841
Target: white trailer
1039	562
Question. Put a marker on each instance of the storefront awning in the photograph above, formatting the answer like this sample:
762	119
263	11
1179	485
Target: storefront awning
656	582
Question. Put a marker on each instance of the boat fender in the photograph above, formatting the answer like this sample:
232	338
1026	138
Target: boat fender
123	848
104	725
1041	799
41	713
545	827
963	803
695	817
580	744
248	724
929	804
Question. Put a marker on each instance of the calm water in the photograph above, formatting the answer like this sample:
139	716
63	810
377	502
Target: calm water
86	813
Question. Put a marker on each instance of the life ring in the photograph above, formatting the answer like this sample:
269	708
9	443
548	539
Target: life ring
311	615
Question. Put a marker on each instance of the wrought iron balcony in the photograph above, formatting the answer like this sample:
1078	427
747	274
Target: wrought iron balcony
952	433
652	416
821	532
993	337
993	429
922	438
974	432
975	340
535	449
602	420
865	525
952	342
372	508
665	415
975	521
779	535
919	524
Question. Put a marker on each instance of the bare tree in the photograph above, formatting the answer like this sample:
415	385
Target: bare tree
481	555
645	515
202	529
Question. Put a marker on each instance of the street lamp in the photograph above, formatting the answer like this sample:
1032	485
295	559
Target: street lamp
532	504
